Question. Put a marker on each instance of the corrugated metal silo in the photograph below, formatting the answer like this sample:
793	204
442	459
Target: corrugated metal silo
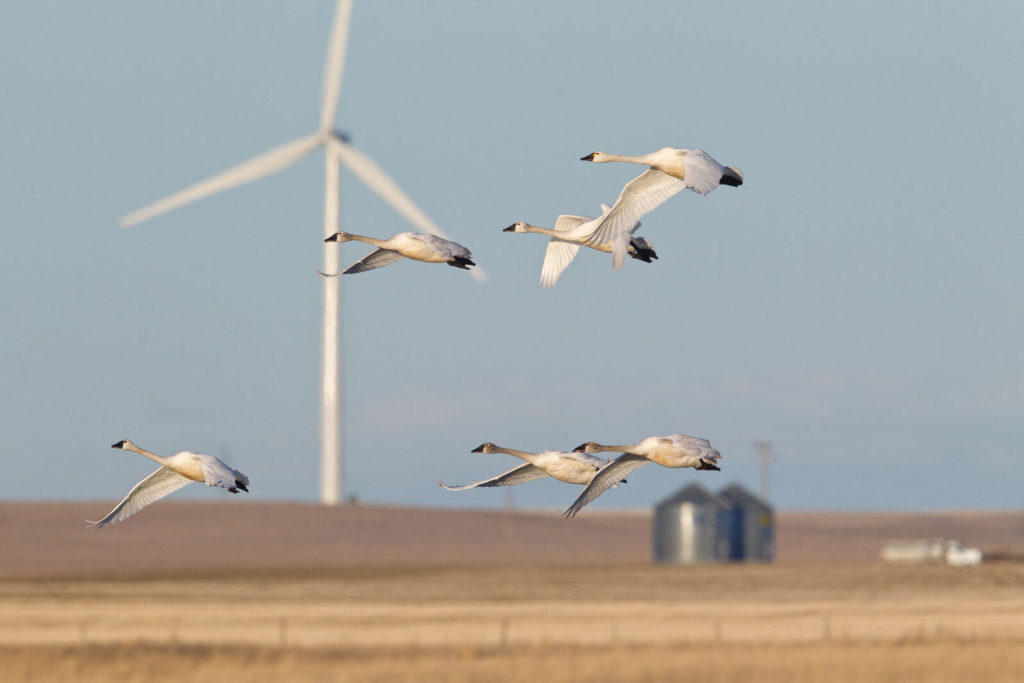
691	526
756	537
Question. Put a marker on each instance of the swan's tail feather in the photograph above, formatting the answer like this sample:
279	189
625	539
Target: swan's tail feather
461	262
732	177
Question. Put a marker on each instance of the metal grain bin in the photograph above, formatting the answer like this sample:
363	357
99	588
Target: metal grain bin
754	540
692	526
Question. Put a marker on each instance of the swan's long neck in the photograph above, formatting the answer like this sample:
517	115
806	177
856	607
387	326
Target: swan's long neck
152	456
511	451
620	449
369	240
645	159
543	231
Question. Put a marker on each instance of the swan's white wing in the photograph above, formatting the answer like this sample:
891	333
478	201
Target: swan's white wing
683	440
608	477
380	182
556	259
564	223
217	473
239	174
442	246
641	195
163	482
378	258
517	475
701	173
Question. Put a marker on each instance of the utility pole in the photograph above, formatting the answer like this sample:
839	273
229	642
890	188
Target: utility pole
765	455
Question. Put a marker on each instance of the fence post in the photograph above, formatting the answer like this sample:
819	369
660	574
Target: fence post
503	637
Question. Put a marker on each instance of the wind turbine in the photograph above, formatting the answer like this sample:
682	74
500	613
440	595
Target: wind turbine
337	151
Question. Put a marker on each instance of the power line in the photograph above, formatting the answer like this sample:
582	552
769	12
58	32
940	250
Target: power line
765	455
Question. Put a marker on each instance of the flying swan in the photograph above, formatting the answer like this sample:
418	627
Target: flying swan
175	472
671	171
417	246
571	232
696	168
572	468
675	450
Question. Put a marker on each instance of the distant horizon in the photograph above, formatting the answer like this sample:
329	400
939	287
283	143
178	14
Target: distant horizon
605	510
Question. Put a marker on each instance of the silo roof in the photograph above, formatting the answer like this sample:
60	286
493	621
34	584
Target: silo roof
736	494
692	493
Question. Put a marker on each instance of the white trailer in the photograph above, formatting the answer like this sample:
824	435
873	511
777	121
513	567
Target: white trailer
930	551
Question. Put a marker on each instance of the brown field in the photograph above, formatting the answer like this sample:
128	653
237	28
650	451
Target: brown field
299	593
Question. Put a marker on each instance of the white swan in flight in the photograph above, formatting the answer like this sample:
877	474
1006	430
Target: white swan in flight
573	467
417	246
572	231
671	171
674	450
175	472
696	168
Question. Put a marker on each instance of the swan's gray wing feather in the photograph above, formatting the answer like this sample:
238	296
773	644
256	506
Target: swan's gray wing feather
607	477
702	173
217	473
517	475
163	482
378	258
443	247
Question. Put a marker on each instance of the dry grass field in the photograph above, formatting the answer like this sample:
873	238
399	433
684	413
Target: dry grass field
491	604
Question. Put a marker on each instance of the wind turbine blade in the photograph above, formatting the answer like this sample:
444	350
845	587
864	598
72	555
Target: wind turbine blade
380	182
242	173
330	88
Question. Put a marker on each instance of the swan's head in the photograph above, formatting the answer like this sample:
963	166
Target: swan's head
588	447
597	157
486	447
125	444
516	227
339	237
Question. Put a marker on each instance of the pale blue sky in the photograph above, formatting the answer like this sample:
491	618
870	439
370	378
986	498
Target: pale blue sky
857	301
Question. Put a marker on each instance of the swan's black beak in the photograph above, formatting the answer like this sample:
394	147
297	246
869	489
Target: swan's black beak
119	444
332	238
589	157
580	449
510	228
478	449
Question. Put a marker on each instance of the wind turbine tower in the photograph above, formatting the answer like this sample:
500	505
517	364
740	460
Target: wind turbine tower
337	151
